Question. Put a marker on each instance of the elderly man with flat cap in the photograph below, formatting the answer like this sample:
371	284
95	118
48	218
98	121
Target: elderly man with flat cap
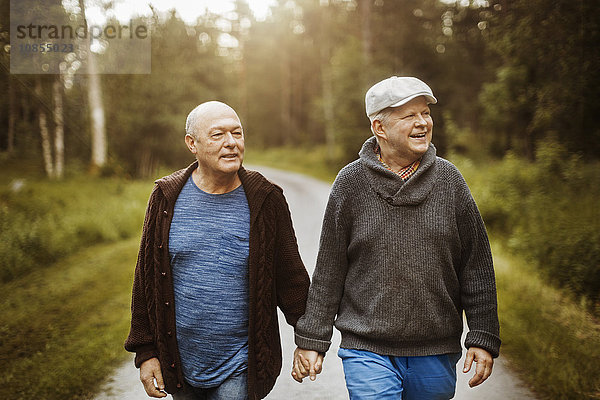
218	255
403	253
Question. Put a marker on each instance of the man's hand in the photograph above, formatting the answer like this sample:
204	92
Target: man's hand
484	361
306	363
150	370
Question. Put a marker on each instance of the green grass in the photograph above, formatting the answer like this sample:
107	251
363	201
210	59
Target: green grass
548	337
62	327
42	221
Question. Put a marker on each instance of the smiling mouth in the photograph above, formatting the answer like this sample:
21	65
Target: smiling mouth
229	156
419	135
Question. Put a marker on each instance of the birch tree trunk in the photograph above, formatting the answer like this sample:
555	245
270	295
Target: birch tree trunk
59	137
98	128
46	146
97	114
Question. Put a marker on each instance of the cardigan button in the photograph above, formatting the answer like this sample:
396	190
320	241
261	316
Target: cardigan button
179	386
167	304
163	273
173	365
160	246
169	334
165	212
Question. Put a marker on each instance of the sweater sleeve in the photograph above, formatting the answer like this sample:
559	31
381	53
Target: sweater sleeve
477	280
141	339
291	277
315	328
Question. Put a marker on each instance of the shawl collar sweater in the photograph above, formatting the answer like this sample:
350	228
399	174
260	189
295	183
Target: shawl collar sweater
399	262
277	277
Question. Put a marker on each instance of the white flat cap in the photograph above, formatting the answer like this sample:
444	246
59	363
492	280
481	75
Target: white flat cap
394	92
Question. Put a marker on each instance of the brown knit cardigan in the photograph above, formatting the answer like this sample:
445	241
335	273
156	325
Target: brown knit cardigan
277	277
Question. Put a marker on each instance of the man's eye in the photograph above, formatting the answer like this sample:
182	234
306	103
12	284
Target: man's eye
237	133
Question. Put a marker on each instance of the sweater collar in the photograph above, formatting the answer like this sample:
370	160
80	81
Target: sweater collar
389	185
171	185
256	186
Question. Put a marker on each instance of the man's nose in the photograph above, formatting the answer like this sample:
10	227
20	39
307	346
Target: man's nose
229	139
420	120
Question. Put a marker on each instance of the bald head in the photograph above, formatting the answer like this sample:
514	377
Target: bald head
201	117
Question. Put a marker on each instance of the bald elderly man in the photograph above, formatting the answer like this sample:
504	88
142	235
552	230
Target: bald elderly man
218	254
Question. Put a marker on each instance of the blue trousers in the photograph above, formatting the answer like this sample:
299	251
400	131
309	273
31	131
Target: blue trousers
371	376
233	388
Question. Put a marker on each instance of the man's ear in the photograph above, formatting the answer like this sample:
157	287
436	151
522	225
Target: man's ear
378	129
191	143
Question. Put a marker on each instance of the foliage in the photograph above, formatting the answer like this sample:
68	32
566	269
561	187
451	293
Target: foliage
352	127
546	211
147	112
549	76
502	69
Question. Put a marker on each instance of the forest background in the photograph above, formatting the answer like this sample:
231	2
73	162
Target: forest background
517	83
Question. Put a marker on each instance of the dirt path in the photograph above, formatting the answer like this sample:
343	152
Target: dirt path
307	198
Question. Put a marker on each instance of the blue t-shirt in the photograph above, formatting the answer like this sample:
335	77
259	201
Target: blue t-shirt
208	247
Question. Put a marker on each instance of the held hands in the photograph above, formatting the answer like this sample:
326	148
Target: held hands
150	371
306	363
484	361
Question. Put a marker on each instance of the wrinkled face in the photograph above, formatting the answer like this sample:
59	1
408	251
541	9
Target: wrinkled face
405	136
218	141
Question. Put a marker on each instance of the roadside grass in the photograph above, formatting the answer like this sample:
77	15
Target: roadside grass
42	221
548	337
62	327
549	334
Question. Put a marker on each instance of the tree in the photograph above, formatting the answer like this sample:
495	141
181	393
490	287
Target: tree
96	107
44	132
59	127
40	92
282	61
549	74
52	145
147	112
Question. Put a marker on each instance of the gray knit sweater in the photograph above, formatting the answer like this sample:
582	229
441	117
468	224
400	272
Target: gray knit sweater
400	261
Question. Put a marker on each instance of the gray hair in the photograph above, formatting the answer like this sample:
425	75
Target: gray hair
191	121
381	116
